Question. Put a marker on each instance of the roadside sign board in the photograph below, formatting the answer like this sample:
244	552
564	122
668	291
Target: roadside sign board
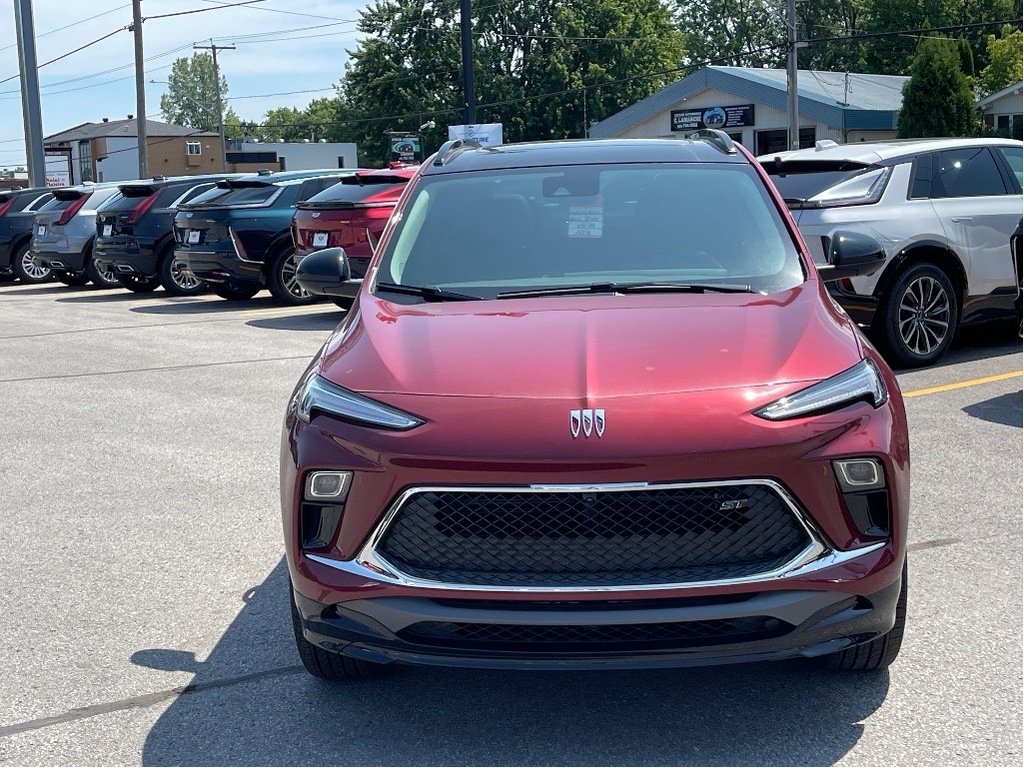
712	117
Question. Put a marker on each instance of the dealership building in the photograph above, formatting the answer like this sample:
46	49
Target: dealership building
750	105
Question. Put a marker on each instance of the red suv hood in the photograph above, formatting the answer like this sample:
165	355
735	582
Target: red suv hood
591	346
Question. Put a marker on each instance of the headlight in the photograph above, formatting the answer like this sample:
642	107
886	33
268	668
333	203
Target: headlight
861	382
318	394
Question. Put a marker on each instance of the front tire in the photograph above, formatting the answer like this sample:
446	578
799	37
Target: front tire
234	292
281	280
919	316
880	652
26	270
101	278
324	664
174	280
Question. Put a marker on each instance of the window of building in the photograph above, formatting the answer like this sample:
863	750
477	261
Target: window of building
193	148
85	161
776	141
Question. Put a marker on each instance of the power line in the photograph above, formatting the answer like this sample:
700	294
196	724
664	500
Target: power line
72	24
203	10
278	10
69	53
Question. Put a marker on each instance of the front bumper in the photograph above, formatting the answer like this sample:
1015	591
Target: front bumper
560	635
219	267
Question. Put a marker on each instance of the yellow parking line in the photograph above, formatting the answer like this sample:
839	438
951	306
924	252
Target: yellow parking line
962	384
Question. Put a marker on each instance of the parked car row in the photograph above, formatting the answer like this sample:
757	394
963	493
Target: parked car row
231	234
943	210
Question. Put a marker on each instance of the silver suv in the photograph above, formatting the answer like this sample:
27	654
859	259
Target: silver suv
63	233
943	209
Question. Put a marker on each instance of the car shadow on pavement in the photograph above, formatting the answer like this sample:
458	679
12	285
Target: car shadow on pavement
111	296
50	289
250	703
205	305
1004	409
322	321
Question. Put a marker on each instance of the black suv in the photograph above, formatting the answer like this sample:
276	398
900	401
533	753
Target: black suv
237	236
135	233
17	207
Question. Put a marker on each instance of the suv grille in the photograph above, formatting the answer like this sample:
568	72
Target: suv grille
594	637
604	538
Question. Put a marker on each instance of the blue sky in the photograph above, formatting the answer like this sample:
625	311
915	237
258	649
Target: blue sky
300	46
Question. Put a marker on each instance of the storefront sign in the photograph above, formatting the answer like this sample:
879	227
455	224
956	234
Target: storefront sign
712	117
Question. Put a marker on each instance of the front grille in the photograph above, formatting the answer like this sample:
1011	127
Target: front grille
604	538
593	637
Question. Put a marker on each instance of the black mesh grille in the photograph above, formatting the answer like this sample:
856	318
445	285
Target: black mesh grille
595	637
543	539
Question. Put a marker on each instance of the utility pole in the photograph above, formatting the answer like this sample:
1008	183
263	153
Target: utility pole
31	111
220	104
791	79
466	24
140	90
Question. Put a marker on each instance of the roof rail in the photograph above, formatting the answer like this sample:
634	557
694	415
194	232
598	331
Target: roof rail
452	149
719	139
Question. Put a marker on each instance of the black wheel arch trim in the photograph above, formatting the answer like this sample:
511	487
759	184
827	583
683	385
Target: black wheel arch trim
957	275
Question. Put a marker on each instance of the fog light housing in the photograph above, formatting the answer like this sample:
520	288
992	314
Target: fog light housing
328	485
859	474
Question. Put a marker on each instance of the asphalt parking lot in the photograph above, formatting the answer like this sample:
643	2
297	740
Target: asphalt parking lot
144	596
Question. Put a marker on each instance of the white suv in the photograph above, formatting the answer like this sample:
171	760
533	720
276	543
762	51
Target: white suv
943	209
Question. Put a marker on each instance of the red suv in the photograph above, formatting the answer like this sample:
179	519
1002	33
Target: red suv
593	408
350	215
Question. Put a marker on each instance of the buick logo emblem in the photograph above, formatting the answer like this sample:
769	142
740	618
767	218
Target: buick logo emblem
588	421
316	214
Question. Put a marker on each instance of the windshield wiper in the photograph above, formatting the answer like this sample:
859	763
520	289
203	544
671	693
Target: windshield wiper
427	292
570	290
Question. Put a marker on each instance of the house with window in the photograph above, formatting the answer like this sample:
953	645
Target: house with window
750	105
109	150
1002	111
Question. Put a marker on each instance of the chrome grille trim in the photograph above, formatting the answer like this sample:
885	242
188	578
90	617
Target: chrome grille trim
369	564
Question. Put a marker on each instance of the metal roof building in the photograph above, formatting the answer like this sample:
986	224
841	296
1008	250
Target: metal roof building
750	105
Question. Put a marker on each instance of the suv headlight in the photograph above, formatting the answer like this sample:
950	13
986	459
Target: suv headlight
861	382
318	394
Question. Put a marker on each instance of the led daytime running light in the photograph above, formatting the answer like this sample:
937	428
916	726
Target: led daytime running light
861	382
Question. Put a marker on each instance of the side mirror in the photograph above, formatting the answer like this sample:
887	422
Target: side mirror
851	254
324	273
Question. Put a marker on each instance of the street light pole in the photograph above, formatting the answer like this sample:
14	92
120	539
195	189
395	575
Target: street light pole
140	90
791	77
220	104
31	111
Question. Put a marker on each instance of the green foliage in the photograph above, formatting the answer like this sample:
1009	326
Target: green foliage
191	97
735	33
408	65
1004	60
937	100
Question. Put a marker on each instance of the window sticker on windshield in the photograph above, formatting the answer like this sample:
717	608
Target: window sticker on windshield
586	221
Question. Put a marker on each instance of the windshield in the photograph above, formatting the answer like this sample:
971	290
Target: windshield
495	232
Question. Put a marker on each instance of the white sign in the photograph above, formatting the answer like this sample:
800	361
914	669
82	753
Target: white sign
487	134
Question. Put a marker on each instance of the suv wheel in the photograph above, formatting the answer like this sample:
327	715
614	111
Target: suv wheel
102	278
26	270
71	278
324	664
919	316
174	280
880	652
139	284
281	280
234	292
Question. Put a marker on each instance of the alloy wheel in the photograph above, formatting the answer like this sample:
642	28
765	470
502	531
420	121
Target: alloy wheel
108	275
289	278
924	315
184	281
33	270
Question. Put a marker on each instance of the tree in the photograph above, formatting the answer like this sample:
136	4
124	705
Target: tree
937	100
736	33
1004	60
191	97
544	68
